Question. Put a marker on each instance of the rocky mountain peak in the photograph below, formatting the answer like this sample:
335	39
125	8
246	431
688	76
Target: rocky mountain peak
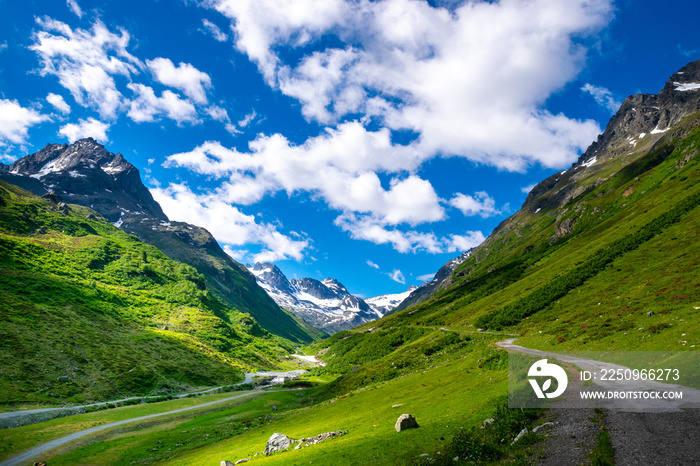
640	122
88	174
271	274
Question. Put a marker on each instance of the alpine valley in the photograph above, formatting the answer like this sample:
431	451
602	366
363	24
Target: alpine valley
101	288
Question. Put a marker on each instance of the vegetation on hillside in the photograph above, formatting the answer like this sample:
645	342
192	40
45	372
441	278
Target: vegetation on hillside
91	313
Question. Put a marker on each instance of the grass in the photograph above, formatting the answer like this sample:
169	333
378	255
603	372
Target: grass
603	452
443	399
86	302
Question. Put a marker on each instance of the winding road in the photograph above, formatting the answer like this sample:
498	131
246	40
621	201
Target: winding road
33	453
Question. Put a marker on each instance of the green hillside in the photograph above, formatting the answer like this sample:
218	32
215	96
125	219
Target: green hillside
108	314
602	256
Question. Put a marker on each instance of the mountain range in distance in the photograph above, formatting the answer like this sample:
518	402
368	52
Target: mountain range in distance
326	304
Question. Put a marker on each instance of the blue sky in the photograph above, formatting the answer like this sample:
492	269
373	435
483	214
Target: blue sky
370	141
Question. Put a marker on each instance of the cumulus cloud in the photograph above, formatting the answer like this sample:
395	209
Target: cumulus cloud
214	31
463	243
603	97
229	225
471	80
85	128
146	106
397	276
184	77
426	277
480	204
58	103
339	166
15	121
85	62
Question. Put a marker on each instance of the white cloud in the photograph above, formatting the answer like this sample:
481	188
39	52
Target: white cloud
527	189
470	81
15	121
214	31
247	119
603	97
371	264
85	128
58	103
397	276
463	243
480	204
85	62
426	277
228	224
184	77
75	8
338	166
146	106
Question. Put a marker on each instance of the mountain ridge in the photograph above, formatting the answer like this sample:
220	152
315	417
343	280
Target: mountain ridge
85	173
325	304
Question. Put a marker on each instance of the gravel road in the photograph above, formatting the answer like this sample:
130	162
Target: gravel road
33	453
665	433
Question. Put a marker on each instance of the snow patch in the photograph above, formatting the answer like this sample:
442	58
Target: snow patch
657	130
111	169
590	161
538	209
75	174
682	87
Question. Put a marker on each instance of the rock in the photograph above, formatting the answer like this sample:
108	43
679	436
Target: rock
406	421
242	460
488	422
52	197
227	463
277	442
396	406
650	313
63	378
520	435
546	424
299	445
274	408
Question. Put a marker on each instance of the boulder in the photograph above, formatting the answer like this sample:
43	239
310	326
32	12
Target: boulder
242	460
226	463
277	442
406	421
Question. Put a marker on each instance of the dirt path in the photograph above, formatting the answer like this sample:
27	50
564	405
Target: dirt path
11	419
668	436
33	453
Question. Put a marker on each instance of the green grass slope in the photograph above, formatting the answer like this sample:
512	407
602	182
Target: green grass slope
108	314
225	278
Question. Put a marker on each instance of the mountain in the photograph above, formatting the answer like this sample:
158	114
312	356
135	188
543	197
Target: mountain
387	303
92	313
87	174
441	280
326	305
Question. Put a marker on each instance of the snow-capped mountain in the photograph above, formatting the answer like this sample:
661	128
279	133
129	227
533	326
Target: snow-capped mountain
327	304
388	302
87	174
